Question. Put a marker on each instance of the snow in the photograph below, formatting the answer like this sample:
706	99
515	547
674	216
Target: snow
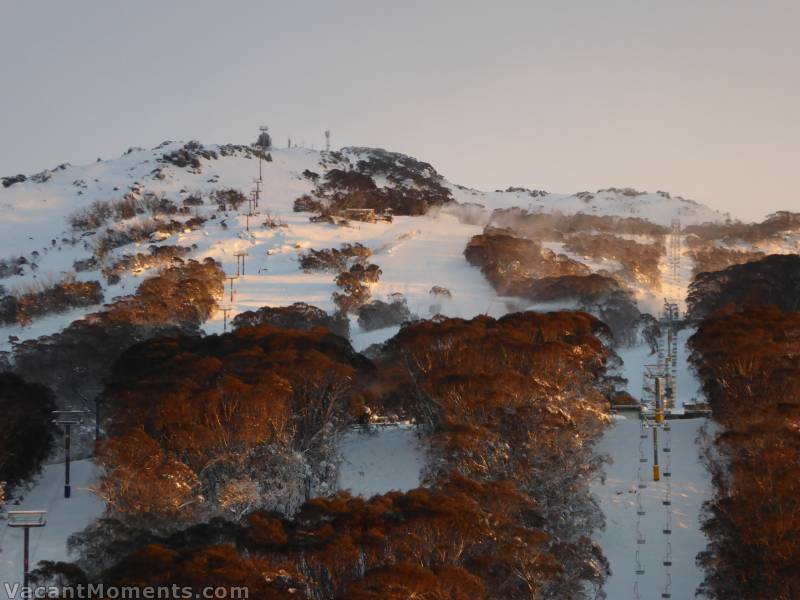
414	254
64	517
381	458
690	487
635	357
656	207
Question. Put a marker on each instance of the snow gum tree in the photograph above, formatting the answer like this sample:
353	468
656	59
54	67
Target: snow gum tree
518	399
213	420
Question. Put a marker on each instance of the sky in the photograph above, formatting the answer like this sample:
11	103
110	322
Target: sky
700	99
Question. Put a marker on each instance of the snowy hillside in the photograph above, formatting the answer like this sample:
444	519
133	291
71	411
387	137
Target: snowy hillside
420	257
414	253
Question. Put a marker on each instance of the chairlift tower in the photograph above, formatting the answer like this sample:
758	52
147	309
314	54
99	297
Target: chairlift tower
240	255
327	140
257	182
67	418
225	310
25	519
675	251
231	278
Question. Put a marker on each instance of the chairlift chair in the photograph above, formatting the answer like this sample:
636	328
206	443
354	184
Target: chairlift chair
26	518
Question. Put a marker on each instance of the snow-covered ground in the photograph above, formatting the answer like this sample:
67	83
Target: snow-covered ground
414	254
64	517
689	488
380	459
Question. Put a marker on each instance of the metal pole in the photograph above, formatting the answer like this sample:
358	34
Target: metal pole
659	416
656	467
25	562
67	486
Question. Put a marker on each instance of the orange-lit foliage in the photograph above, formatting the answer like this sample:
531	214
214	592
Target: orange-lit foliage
208	406
772	228
749	363
40	299
462	539
181	294
518	399
518	266
355	286
218	566
640	262
555	226
513	407
295	316
400	582
511	263
714	258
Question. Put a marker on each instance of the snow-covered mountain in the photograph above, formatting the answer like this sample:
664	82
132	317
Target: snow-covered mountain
414	253
105	222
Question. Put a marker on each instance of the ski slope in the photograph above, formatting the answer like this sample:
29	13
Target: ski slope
617	496
380	459
414	254
64	517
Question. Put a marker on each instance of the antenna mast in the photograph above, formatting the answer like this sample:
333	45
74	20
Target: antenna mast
264	142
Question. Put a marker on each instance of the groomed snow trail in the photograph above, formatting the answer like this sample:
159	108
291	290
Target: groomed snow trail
617	496
687	488
64	517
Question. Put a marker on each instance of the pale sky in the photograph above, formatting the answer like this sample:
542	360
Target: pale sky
699	98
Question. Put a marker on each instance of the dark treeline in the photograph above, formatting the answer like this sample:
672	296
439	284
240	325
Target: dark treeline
295	316
413	187
212	435
747	353
75	362
774	280
28	430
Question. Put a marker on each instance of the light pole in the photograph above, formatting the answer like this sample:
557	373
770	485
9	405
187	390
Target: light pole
26	519
239	255
232	277
258	190
225	310
67	418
